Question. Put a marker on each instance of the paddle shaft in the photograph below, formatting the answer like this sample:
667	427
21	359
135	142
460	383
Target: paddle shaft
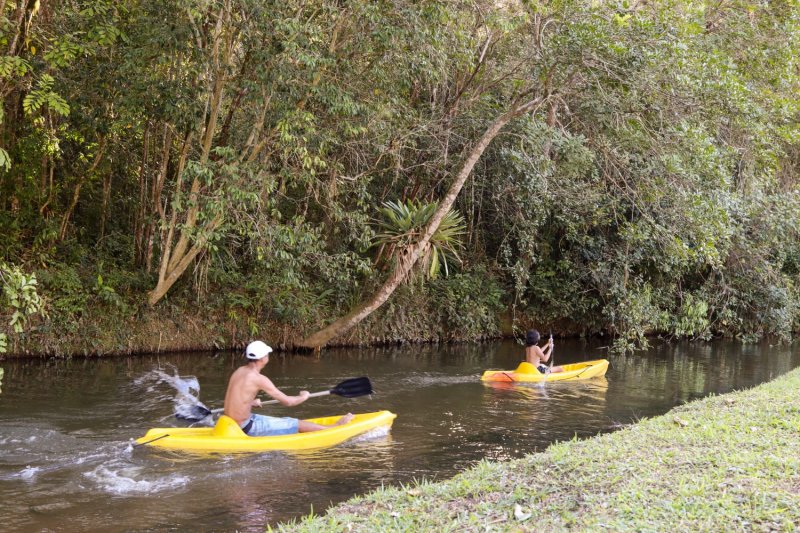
312	395
349	388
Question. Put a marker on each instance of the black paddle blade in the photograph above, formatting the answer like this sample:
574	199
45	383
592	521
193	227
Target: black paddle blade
353	387
193	413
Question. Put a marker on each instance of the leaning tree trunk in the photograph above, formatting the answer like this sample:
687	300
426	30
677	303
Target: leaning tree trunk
403	268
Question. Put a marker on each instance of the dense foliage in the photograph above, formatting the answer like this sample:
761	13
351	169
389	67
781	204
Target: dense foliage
241	157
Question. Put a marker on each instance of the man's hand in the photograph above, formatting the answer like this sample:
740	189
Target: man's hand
256	403
304	394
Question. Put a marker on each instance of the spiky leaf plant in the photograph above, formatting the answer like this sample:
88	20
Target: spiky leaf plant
403	224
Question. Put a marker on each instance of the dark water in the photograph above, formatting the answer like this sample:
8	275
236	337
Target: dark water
66	426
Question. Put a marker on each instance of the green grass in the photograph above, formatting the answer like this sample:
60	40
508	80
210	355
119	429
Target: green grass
724	463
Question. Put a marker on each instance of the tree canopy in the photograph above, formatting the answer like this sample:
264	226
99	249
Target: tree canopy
624	167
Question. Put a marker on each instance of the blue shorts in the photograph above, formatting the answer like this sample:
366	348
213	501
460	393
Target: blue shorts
268	426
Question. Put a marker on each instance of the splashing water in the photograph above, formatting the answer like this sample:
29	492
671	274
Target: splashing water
186	403
122	478
29	472
374	433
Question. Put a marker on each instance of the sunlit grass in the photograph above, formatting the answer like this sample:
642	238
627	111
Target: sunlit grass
724	463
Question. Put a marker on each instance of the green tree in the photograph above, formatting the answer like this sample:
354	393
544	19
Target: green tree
20	300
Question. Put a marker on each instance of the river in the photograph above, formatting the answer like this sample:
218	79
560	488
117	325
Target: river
67	462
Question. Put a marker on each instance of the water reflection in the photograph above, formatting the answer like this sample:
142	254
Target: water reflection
539	412
66	426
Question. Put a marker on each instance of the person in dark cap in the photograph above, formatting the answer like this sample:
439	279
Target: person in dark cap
536	356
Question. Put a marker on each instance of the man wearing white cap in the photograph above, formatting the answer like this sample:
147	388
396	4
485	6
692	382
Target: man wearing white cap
245	384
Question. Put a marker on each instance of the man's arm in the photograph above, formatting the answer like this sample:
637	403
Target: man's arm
267	386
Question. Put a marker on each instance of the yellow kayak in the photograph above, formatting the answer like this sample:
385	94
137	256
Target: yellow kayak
526	372
227	436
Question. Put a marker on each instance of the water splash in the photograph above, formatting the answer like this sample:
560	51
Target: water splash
122	479
29	472
186	403
185	386
374	433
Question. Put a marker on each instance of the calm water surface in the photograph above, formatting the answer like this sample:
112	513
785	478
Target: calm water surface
66	427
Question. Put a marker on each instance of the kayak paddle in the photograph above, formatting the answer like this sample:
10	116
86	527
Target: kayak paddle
349	388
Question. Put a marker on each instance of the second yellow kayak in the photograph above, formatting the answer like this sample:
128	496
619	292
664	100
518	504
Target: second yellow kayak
227	436
526	372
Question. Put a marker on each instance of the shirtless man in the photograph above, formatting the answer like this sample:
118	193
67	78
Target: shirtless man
247	381
536	356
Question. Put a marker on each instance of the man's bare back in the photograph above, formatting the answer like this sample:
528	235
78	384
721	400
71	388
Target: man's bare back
247	381
243	387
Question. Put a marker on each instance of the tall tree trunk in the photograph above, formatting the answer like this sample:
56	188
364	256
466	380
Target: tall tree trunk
155	204
19	26
175	261
168	276
140	217
106	203
48	168
76	193
403	268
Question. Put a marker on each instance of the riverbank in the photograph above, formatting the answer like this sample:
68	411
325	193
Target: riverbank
185	328
177	330
723	463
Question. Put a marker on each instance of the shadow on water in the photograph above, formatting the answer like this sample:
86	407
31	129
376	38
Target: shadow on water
67	426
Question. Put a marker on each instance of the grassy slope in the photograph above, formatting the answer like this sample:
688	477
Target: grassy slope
724	463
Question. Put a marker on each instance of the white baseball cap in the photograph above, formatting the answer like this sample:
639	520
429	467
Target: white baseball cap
257	350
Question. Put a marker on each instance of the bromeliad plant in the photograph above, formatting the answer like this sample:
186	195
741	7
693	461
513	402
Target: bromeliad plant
403	225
